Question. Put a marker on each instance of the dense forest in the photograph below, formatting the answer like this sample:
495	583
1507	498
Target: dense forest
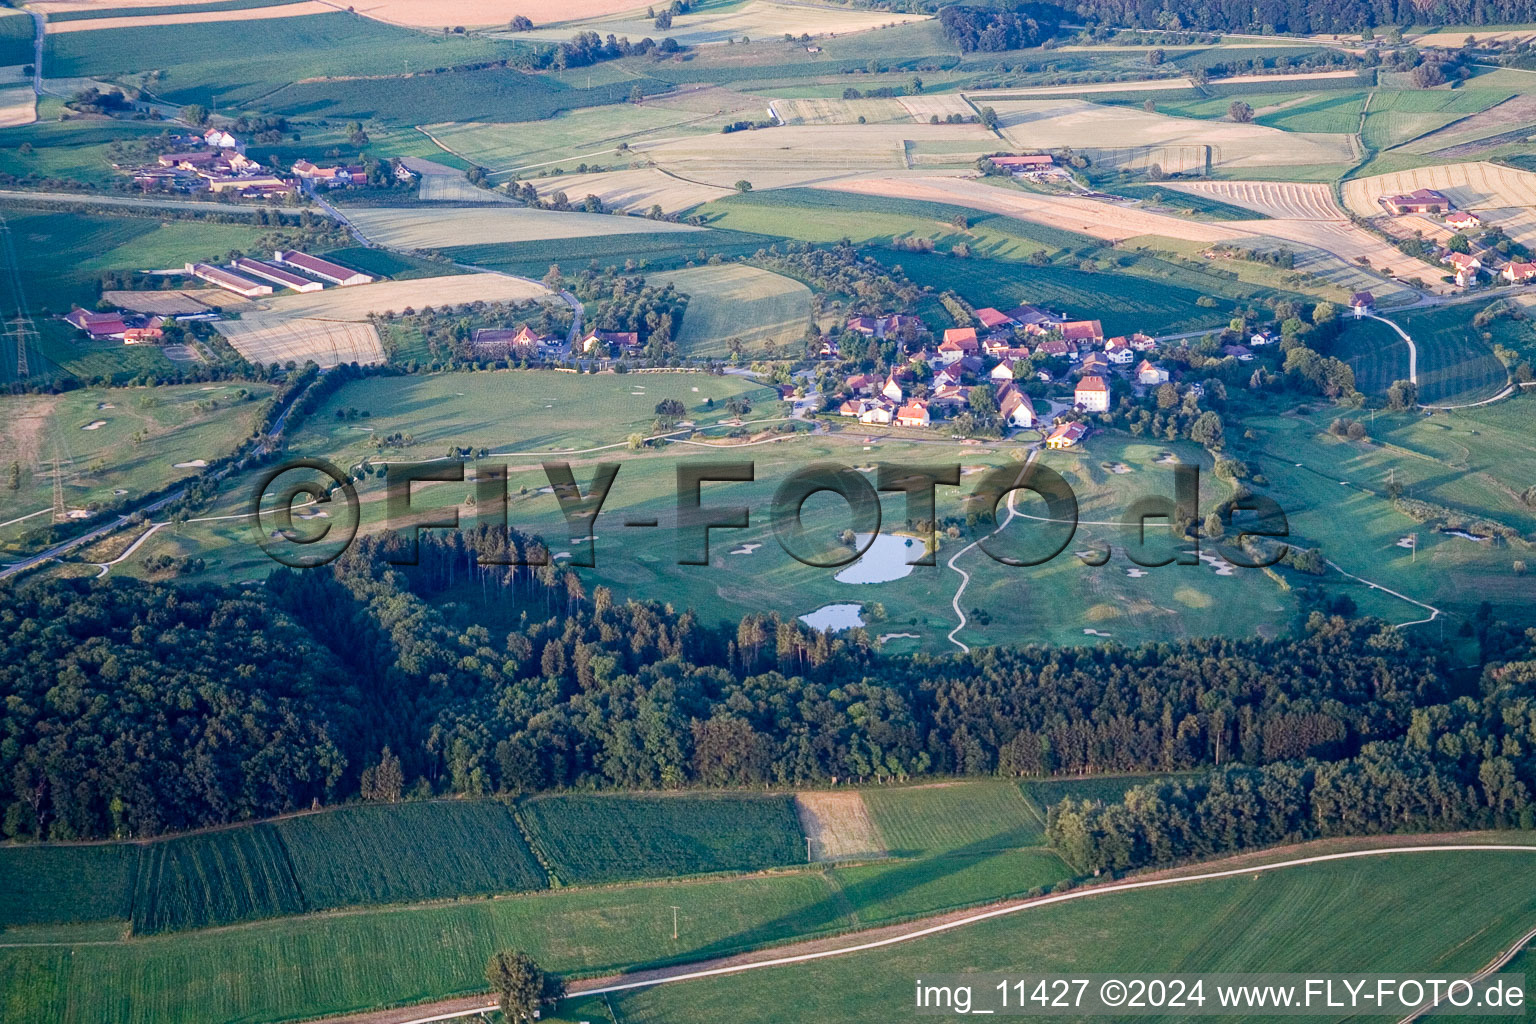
1301	16
134	708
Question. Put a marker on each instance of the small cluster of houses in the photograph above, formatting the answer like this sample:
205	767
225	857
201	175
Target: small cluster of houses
216	162
523	342
961	359
129	328
1466	267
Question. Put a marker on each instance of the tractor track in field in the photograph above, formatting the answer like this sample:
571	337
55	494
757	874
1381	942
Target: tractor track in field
877	938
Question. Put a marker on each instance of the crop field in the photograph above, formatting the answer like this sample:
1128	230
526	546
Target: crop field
756	19
115	444
479	13
65	884
656	250
15	38
732	301
1289	200
1079	216
266	339
213	878
1511	119
610	838
356	302
1337	112
957	818
828	215
1375	352
1456	365
408	852
1420	120
633	191
896	890
416	228
1141	136
198	14
840	111
18	106
1448	911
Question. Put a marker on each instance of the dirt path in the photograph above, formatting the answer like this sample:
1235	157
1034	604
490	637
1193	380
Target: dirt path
965	577
469	1006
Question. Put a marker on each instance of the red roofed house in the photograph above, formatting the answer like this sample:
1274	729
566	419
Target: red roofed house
892	390
1119	351
1361	303
1462	219
1055	348
1093	365
522	338
958	343
1066	435
324	269
1003	371
97	325
1420	200
1516	272
991	319
875	412
1092	394
143	336
862	383
1146	373
1082	331
1015	407
913	414
1466	268
1143	342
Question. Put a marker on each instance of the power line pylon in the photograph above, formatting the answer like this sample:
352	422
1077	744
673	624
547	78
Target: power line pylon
24	333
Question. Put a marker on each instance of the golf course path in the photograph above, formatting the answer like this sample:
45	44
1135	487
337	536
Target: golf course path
894	935
1413	350
965	577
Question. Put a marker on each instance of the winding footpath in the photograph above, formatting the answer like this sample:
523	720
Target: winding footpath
918	930
965	577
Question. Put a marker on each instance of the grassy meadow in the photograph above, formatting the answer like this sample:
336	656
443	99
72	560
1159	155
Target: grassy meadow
971	817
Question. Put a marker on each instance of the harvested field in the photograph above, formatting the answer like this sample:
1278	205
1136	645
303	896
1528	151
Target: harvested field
833	111
923	107
296	10
634	191
51	7
758	19
1285	200
730	301
1500	195
1086	216
1130	138
1454	38
18	106
991	98
354	304
1348	242
483	13
172	303
810	154
267	338
838	825
435	229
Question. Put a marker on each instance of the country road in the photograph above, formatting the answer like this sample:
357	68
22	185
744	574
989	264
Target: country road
468	1006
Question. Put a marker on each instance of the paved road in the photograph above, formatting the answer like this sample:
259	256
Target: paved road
1413	350
918	930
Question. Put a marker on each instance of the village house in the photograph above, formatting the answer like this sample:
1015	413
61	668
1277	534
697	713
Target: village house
1462	220
1362	303
333	176
1420	200
875	412
969	366
1258	339
1003	370
228	280
1024	163
324	269
913	414
1119	351
1092	394
1516	272
144	335
950	396
622	340
1093	365
1066	435
1148	374
992	319
829	349
947	377
862	383
97	325
1015	407
505	341
1465	268
1082	332
218	138
958	343
892	389
1143	342
851	407
864	325
1056	349
1032	316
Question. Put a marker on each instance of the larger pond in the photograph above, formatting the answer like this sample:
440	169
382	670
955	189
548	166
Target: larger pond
888	558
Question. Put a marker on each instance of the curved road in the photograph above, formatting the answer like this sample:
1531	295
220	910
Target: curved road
671	975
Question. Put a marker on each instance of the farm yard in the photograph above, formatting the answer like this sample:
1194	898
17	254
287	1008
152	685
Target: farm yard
1503	196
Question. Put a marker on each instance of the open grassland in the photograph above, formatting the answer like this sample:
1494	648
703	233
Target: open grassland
117	444
829	215
755	19
956	817
1456	365
1502	196
1447	911
731	301
889	891
1377	354
585	839
415	228
197	14
1128	138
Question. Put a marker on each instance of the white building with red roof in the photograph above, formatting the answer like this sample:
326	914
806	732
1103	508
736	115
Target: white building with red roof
1092	394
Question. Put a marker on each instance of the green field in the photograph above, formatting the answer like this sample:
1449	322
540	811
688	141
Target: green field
658	250
1456	365
586	839
1047	793
145	440
153	11
734	301
1377	354
973	818
15	38
589	135
1397	116
1426	912
65	884
213	878
820	215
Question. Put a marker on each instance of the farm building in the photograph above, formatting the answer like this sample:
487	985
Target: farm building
1026	162
1066	435
1092	394
1082	331
1032	316
625	340
993	319
334	175
228	280
913	414
324	269
522	338
1461	220
277	275
1420	200
958	343
143	336
265	184
1015	407
97	325
1003	371
1362	303
1516	272
862	383
218	138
